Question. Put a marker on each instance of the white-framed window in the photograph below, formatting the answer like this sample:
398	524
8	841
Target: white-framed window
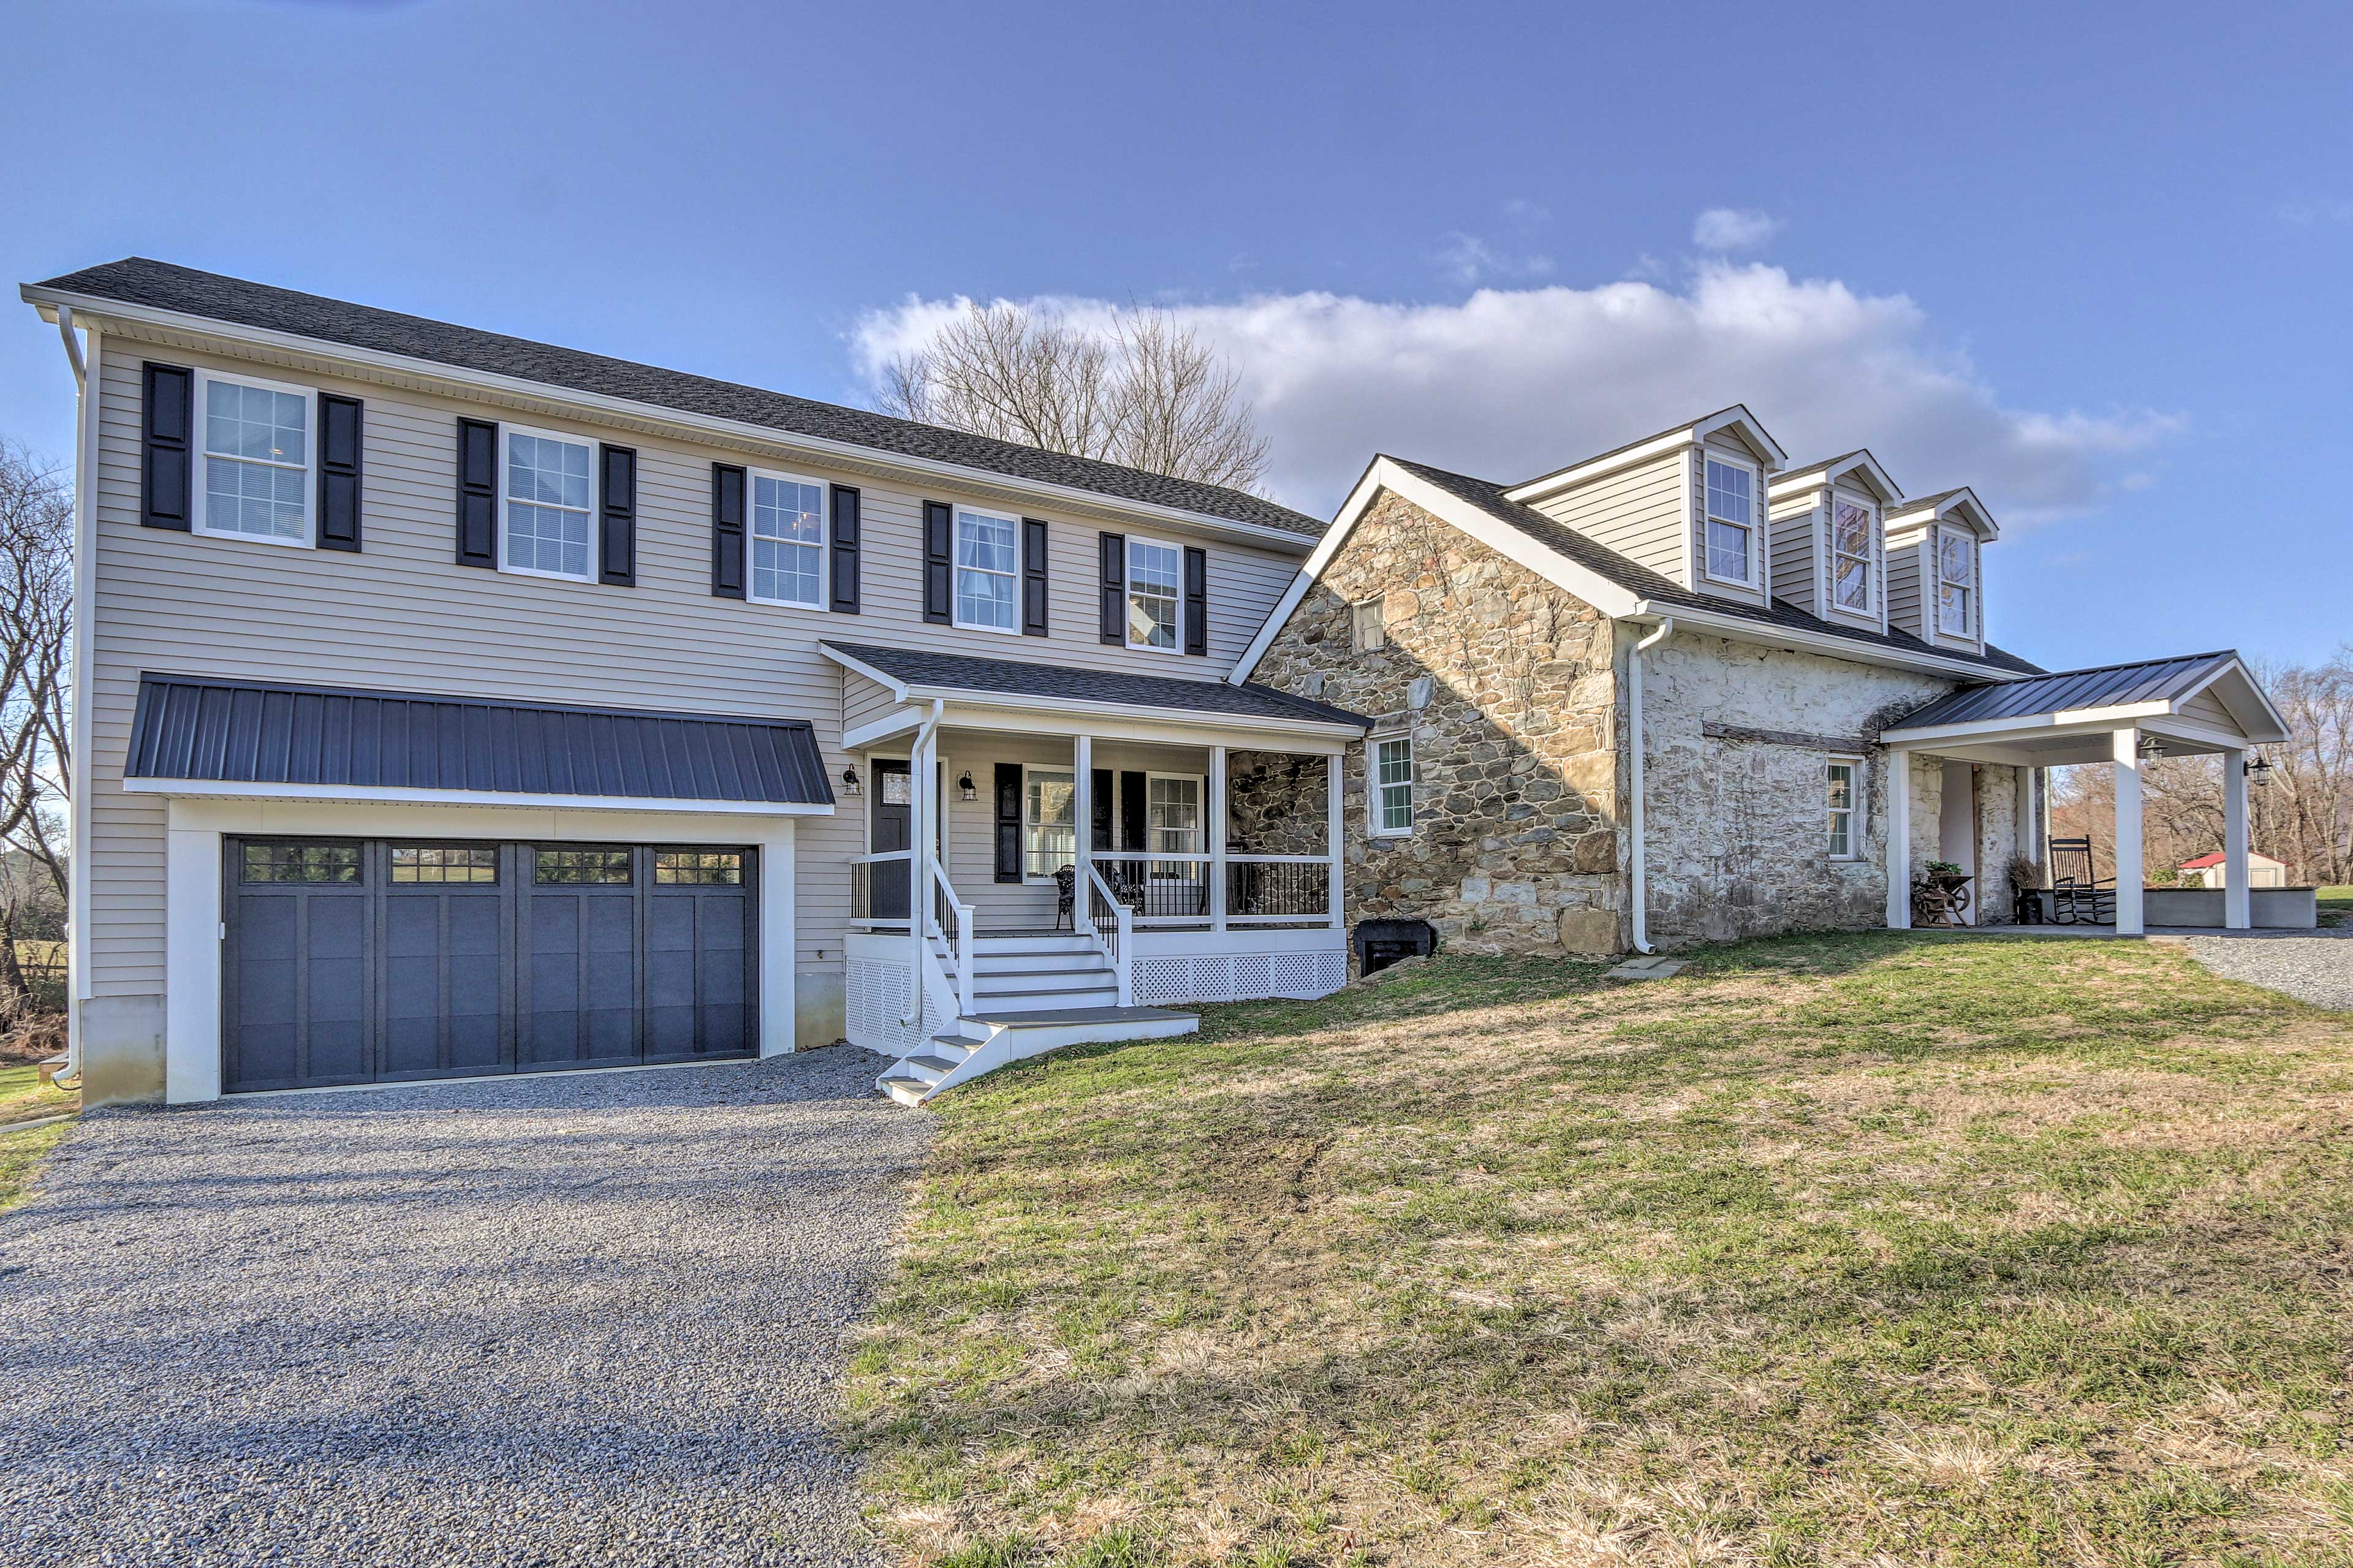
1843	777
1050	836
1956	582
787	540
1731	532
255	481
547	501
1369	621
987	571
1172	813
1850	531
1155	594
1391	797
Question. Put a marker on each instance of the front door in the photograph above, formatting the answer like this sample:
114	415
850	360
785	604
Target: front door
890	822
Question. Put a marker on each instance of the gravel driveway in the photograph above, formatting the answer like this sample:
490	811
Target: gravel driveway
2316	968
572	1319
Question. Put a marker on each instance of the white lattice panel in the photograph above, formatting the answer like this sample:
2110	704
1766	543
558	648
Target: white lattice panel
1253	976
1238	977
1159	980
875	1001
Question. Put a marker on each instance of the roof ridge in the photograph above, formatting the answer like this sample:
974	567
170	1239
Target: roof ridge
2138	663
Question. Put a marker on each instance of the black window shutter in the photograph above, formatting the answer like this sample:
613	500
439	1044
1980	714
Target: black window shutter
1130	811
1099	808
727	480
339	472
843	553
168	394
1114	590
939	552
617	560
1009	822
1196	601
477	493
1033	577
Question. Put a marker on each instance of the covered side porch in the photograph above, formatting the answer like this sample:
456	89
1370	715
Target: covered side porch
2122	716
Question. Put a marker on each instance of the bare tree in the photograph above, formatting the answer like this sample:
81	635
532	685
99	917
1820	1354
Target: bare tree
35	747
1146	392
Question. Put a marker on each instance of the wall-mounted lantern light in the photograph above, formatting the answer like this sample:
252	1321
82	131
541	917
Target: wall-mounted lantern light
2260	770
849	780
965	785
2150	747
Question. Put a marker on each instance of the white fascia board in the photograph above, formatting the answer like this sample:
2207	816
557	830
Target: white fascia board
189	789
963	703
1497	535
1828	474
1737	628
1738	419
2064	722
2243	680
1608	463
2205	736
1911	517
1119	727
460	381
896	688
882	729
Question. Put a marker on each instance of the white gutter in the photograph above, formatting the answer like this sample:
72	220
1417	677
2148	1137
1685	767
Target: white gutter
1638	867
539	394
920	782
85	598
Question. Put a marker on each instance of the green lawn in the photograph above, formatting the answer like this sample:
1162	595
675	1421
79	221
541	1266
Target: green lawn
1866	1249
2336	906
23	1098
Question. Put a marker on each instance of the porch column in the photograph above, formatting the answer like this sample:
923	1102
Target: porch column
1331	761
1217	825
2129	875
1082	819
2238	896
1899	841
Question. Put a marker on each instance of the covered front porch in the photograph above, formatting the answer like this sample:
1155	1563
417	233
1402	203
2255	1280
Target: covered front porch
2122	716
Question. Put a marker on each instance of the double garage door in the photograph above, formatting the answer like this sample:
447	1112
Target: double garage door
364	960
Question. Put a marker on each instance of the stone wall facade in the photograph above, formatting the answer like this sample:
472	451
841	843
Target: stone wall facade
1507	684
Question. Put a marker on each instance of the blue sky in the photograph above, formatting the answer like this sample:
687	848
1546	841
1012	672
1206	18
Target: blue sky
2096	261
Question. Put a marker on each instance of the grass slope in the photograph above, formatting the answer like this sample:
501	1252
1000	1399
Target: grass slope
24	1098
1862	1249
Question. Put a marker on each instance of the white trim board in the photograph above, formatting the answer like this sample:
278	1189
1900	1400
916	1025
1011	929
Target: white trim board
1735	419
389	795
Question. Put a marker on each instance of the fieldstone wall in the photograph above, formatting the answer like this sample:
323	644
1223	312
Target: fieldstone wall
1996	830
1507	684
1274	802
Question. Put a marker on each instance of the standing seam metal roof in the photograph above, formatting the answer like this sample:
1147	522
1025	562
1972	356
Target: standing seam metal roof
196	727
2107	686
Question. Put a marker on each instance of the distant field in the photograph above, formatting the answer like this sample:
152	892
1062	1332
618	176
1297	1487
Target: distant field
2336	906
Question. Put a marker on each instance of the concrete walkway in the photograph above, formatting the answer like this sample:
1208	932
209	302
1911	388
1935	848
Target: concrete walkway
587	1319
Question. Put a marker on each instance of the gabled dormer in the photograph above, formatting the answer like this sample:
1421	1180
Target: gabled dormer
1935	569
1689	503
1829	556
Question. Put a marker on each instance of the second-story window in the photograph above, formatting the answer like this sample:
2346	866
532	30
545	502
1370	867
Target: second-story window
1956	581
1155	594
988	571
550	504
1850	555
787	540
256	477
1731	523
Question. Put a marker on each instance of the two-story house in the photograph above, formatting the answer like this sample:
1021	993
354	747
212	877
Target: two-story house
452	704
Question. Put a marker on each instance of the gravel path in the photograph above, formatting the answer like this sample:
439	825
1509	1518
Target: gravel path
567	1320
2316	969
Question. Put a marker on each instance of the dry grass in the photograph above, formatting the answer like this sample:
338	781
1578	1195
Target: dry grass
1868	1250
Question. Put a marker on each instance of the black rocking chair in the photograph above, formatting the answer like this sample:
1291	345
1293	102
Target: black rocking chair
2078	896
1066	897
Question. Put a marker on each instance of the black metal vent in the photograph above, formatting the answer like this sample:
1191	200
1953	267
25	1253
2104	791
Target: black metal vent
1381	944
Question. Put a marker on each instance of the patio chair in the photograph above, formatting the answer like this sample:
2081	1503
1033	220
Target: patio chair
2078	895
1066	897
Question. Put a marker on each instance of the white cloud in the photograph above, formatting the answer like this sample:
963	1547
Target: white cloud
1733	228
1510	383
1524	214
1466	258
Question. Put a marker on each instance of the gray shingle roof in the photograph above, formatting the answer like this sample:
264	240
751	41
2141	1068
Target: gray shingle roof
1019	677
1661	589
2109	686
241	732
162	286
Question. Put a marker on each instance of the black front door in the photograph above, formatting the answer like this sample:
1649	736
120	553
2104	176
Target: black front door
890	816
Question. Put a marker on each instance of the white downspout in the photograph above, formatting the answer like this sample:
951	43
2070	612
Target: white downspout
919	858
1638	866
85	597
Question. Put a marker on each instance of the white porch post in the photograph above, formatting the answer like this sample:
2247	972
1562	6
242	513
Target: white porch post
1083	817
2129	873
1217	824
1899	840
1331	823
2238	897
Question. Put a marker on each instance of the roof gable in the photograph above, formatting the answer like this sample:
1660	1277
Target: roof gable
1960	506
1735	423
1858	468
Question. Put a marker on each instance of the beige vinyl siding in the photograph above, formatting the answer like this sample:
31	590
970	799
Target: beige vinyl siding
1725	448
1832	610
1637	511
403	616
1904	554
2207	708
1797	524
862	699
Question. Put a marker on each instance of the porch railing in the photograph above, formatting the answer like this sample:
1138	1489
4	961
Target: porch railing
952	922
1164	890
1113	925
861	885
1265	889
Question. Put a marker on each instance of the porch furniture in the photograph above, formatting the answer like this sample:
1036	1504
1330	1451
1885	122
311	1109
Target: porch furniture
1066	897
1941	898
2026	907
2078	895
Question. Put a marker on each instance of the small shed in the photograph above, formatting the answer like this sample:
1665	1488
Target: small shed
2207	871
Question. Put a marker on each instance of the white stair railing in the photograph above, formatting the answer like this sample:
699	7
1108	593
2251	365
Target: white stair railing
957	933
1113	925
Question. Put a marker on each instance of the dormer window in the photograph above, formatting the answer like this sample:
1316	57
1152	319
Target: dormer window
1956	581
1851	555
1731	523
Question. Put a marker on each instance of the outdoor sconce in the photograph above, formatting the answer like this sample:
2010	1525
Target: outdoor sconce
2149	747
2260	770
965	784
849	780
